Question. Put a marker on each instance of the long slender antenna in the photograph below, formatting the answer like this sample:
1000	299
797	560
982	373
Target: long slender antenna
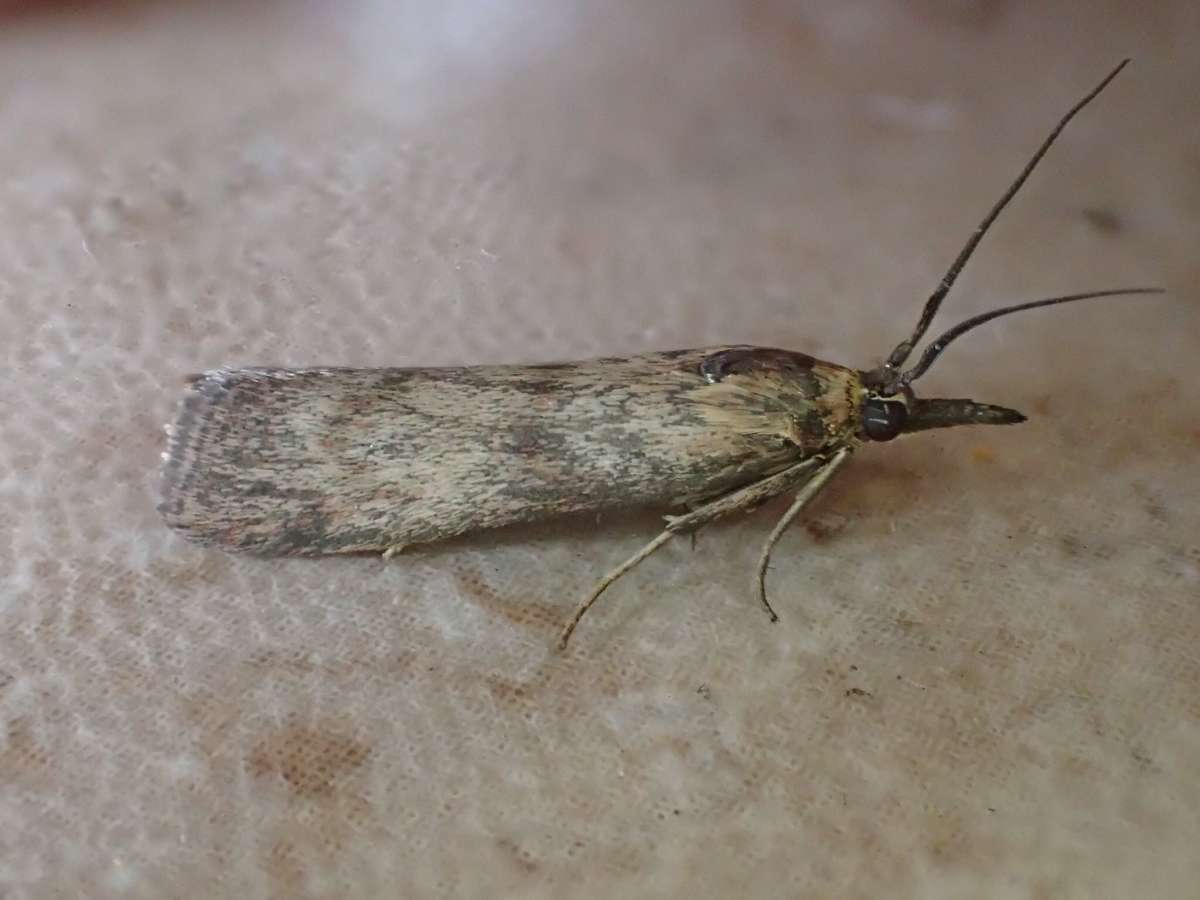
905	348
935	348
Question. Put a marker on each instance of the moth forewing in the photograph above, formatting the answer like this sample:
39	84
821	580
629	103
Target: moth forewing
319	461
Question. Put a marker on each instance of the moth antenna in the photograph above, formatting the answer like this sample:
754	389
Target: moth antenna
900	355
935	348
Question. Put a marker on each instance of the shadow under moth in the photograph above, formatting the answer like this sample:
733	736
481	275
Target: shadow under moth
337	460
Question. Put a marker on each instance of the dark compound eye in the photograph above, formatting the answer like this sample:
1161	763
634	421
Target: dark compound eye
884	419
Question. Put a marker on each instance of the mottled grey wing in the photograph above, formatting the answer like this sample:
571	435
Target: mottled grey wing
312	461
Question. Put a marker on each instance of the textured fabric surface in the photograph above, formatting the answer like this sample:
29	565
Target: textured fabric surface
985	682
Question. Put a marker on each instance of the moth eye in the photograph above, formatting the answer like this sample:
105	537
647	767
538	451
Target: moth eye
883	420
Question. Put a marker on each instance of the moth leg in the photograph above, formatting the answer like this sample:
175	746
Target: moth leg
748	496
609	579
692	507
805	496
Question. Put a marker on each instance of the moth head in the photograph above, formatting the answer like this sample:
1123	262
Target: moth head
885	418
890	407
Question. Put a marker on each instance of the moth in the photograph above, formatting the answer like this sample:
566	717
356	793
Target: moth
315	461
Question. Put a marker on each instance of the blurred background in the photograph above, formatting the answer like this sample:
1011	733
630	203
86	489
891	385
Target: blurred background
985	679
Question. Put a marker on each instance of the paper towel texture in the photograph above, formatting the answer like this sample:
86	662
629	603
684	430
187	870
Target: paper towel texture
986	675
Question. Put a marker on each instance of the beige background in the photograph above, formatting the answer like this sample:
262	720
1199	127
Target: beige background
986	679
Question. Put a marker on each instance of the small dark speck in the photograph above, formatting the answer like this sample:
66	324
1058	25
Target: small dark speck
704	691
675	811
1142	758
991	809
858	692
854	668
821	532
1156	511
1105	221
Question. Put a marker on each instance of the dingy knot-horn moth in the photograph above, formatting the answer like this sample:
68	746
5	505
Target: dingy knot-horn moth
336	460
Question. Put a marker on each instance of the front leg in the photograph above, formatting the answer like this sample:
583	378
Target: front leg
743	498
803	498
